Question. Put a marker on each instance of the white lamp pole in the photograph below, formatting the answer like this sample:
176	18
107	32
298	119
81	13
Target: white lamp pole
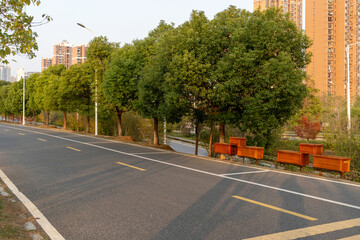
23	122
96	105
347	49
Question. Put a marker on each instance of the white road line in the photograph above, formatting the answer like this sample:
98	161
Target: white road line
204	172
144	153
209	159
40	218
240	173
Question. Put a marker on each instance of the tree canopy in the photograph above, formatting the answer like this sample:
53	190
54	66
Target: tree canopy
16	29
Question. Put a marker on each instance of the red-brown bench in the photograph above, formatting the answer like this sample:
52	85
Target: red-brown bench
294	158
251	152
309	148
224	148
237	141
340	164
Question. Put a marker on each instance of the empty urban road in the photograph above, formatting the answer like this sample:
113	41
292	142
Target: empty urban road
94	188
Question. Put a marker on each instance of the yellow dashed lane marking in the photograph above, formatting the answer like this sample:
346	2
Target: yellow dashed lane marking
312	231
141	169
40	139
276	208
74	149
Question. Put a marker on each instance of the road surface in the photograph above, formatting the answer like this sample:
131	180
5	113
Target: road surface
93	188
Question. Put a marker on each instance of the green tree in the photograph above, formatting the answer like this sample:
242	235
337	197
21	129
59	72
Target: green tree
98	55
46	90
264	66
199	46
120	82
4	89
77	92
16	29
32	109
14	100
151	102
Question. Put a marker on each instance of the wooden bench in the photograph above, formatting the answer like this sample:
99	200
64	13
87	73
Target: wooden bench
224	148
251	152
237	141
295	158
340	164
309	148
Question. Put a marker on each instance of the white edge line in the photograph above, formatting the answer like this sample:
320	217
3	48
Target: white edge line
40	218
194	156
240	173
204	172
144	153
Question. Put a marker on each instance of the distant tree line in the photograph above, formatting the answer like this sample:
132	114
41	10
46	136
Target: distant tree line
241	69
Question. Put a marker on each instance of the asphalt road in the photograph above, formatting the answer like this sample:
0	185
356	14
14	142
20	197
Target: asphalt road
93	188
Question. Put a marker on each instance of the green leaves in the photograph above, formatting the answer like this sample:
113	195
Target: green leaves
16	35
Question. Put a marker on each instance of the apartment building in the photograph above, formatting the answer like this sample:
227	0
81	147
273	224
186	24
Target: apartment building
45	63
78	54
332	25
293	7
5	73
64	53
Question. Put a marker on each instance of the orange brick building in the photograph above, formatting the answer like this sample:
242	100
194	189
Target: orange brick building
293	7
45	63
66	54
332	25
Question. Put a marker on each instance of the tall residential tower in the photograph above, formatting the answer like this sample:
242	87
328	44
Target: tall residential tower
332	25
293	7
66	54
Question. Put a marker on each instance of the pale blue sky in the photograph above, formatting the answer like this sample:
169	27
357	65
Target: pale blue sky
119	20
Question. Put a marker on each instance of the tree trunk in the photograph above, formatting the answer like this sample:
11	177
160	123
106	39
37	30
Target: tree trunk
222	132
156	131
33	116
211	139
197	133
13	118
222	137
119	123
65	125
88	124
47	118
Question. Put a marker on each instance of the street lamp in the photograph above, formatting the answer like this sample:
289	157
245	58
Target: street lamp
347	49
23	122
96	105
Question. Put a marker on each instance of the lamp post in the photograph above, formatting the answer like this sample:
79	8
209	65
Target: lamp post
23	122
347	49
96	105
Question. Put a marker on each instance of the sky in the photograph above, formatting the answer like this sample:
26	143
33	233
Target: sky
119	20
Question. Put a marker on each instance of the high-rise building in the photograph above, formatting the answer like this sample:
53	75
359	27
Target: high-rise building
332	25
5	73
66	54
45	63
78	54
293	7
62	54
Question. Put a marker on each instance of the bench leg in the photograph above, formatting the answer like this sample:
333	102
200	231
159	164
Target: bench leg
341	175
300	168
